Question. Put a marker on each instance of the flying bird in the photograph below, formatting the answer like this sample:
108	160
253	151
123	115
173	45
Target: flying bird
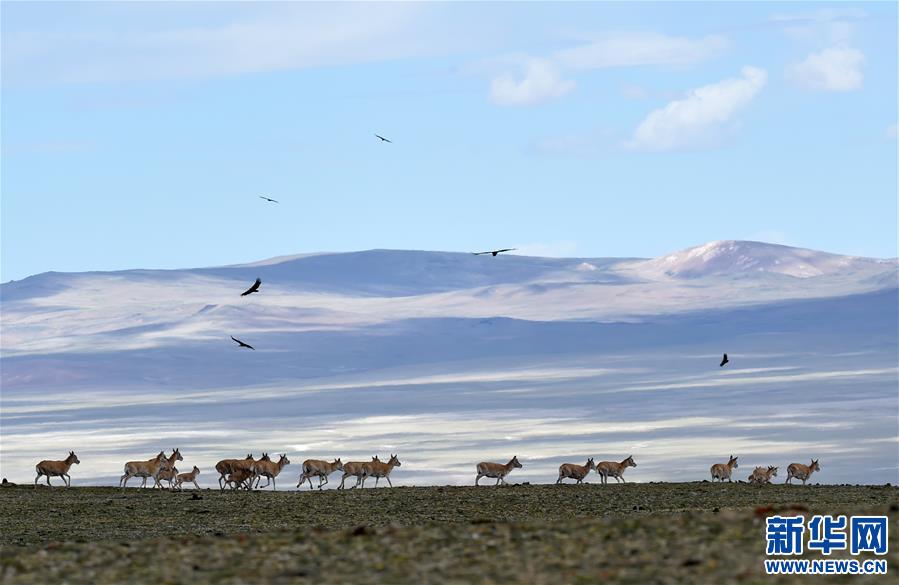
494	252
252	289
242	344
724	360
383	139
269	199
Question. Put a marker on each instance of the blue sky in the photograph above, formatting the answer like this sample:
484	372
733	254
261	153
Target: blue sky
141	134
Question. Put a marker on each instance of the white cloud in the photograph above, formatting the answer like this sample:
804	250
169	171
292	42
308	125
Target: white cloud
541	82
695	120
823	27
542	77
634	49
833	69
274	37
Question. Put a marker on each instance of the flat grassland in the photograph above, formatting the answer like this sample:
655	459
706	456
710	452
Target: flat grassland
633	533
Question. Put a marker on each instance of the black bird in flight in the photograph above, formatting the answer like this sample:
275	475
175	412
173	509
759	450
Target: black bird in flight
724	360
252	289
242	344
269	199
494	252
383	139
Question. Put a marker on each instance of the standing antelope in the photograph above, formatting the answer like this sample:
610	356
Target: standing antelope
227	466
319	468
607	469
270	470
762	475
497	470
56	469
722	471
355	468
574	471
184	477
377	470
800	471
142	469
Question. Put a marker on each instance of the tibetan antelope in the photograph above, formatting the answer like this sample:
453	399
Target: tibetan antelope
142	469
188	477
267	468
320	469
377	470
227	466
356	469
762	475
800	471
56	469
166	474
722	471
574	471
607	469
167	471
497	470
242	477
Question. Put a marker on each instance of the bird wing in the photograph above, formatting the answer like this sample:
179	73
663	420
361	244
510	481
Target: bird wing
479	253
506	250
382	138
235	339
252	289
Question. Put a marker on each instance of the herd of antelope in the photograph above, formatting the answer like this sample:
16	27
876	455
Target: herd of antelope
248	472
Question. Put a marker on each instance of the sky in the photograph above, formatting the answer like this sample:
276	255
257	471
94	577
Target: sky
141	135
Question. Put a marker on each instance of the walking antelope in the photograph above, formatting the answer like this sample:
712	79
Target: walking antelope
266	467
607	469
722	471
227	466
354	468
574	471
142	469
185	477
319	468
167	471
166	474
377	470
762	475
497	470
56	469
800	471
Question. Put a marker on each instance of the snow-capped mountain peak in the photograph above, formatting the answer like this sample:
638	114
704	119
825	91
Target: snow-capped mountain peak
735	257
